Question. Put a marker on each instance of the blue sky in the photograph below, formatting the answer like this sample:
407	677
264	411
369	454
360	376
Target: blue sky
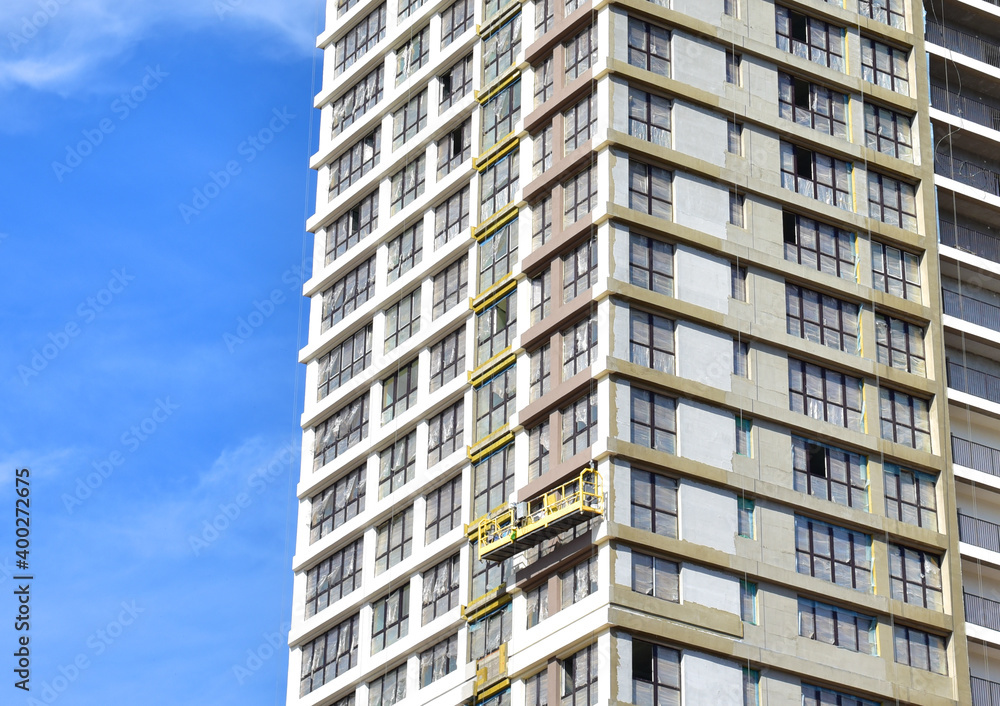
144	409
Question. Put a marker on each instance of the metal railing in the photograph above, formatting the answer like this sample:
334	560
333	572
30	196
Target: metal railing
967	308
965	172
981	533
965	107
976	456
972	46
969	239
974	382
985	692
982	611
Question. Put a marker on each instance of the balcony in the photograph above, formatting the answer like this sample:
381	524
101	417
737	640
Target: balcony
971	240
982	611
985	692
963	42
970	309
980	533
974	382
966	107
965	172
976	456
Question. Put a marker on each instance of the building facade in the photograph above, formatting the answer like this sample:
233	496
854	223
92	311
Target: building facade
652	355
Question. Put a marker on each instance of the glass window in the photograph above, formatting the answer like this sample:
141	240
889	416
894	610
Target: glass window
825	394
543	81
834	554
489	632
745	525
649	189
734	131
408	7
347	427
445	433
352	227
410	119
390	618
495	402
651	264
579	426
542	151
447	358
744	435
541	222
578	582
412	55
348	293
885	66
910	496
342	501
394	540
355	162
579	195
440	589
819	246
919	649
905	419
812	105
748	602
651	341
329	655
388	688
493	483
439	660
455	19
579	678
364	35
817	696
580	52
450	287
649	47
541	296
580	123
579	270
499	184
836	626
810	38
500	115
579	347
822	319
497	255
915	577
538	606
454	148
405	251
890	12
399	391
656	675
654	503
334	577
500	48
358	100
653	576
648	117
496	327
653	420
734	68
818	176
738	282
737	208
895	271
451	217
456	82
408	183
888	132
488	575
830	473
900	344
345	361
397	464
402	320
538	450
545	16
892	201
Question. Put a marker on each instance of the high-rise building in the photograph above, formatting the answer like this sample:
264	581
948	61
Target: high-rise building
636	371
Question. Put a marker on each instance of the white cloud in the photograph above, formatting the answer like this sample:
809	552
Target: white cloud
59	45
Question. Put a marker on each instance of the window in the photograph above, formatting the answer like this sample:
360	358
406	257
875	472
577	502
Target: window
900	344
456	82
408	183
450	287
541	222
836	626
493	482
579	678
454	148
351	228
402	320
344	5
407	7
817	696
890	12
738	282
540	361
354	163
579	123
649	189
888	132
653	576
501	48
412	55
654	503
651	341
455	20
399	391
543	81
405	251
578	582
834	554
648	117
748	602
542	151
487	575
824	394
651	264
751	677
444	434
444	509
915	577
895	271
830	473
814	106
338	433
497	255
410	119
451	217
495	402
388	688
745	524
812	39
892	201
581	53
579	347
579	196
816	175
496	328
499	184
538	605
538	450
920	649
348	293
342	501
653	420
329	655
731	8
905	419
345	361
390	618
818	246
440	589
489	632
884	66
822	319
656	675
358	100
579	270
737	208
579	426
910	496
359	39
500	699
734	68
741	358
333	578
734	131
500	115
649	47
541	296
397	465
545	16
447	358
439	660
744	436
393	540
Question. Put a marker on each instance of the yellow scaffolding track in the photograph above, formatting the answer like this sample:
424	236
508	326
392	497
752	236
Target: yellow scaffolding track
516	528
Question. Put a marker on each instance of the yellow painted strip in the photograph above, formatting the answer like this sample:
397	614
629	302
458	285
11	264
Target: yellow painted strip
481	232
498	155
506	437
488	608
495	294
493	690
493	367
485	97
